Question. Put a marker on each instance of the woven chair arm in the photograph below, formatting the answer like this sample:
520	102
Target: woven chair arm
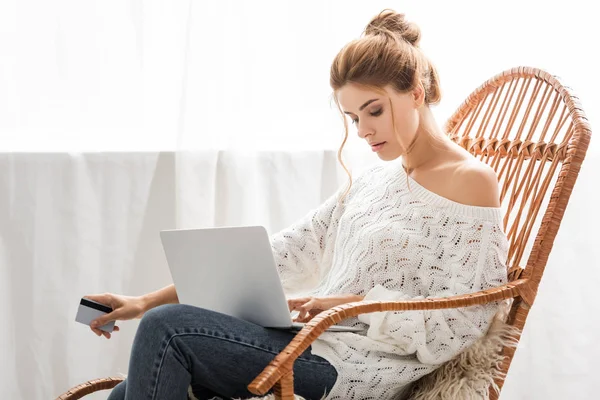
283	363
90	387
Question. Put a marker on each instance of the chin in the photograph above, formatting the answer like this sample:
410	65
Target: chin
385	156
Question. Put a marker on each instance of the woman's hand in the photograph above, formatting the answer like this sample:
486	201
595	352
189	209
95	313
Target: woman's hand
124	307
309	307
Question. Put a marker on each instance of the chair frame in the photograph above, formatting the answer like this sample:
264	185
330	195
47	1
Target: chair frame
523	282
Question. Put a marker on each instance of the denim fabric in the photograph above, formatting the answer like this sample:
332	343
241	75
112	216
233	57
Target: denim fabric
179	345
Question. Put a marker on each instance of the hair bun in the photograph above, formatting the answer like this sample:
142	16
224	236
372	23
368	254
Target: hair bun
392	23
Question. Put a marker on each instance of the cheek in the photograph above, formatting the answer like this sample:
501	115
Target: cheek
407	122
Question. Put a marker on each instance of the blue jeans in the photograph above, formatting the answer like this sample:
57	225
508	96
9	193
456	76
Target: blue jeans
178	345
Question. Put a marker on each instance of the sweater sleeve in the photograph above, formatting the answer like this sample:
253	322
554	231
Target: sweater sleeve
436	336
300	249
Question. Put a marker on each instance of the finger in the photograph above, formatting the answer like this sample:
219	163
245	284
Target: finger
116	328
293	303
316	311
106	334
106	318
305	319
98	332
303	313
309	305
298	319
107	299
311	310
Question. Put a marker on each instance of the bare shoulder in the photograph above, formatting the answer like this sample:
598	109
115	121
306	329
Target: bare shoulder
476	184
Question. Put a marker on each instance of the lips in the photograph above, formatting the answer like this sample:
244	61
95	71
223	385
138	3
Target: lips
377	147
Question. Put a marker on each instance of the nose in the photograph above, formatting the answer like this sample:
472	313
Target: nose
364	131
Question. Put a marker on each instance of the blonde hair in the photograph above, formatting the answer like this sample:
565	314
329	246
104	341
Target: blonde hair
387	53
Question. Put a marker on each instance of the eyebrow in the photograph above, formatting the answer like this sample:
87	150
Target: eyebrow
363	106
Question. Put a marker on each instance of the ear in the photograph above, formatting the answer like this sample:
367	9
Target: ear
419	95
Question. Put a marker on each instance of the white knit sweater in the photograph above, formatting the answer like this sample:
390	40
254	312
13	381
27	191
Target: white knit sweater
390	241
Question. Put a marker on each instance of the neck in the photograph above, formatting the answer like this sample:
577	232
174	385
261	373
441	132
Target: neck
428	143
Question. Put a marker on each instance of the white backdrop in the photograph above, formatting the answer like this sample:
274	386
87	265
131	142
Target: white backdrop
121	118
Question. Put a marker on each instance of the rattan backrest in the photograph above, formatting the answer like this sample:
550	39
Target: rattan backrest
532	131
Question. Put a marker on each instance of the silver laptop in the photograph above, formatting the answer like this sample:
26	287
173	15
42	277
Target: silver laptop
230	270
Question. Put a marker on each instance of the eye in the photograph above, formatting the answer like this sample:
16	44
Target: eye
376	113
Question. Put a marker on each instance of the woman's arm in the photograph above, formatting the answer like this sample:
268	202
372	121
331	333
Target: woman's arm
166	295
299	250
130	307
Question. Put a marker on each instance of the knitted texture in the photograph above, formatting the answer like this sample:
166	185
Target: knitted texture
392	239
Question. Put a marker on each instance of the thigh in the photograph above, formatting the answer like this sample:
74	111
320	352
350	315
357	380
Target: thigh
225	354
118	393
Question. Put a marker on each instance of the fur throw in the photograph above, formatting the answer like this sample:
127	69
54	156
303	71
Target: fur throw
469	376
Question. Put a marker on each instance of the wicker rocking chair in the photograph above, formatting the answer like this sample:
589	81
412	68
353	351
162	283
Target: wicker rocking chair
532	131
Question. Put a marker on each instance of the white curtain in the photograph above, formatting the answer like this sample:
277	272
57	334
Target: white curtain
72	225
122	118
163	75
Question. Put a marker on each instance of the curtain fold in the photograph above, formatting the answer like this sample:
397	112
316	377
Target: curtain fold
77	224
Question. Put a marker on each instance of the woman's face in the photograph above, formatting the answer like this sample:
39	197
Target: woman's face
370	113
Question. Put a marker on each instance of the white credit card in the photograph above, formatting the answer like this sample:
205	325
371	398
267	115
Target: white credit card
89	310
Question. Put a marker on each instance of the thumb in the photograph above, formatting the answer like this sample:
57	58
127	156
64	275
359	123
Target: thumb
108	300
105	319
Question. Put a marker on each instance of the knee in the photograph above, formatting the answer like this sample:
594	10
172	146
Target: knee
177	318
158	318
118	393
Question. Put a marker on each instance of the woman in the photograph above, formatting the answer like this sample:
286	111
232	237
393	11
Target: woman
425	224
